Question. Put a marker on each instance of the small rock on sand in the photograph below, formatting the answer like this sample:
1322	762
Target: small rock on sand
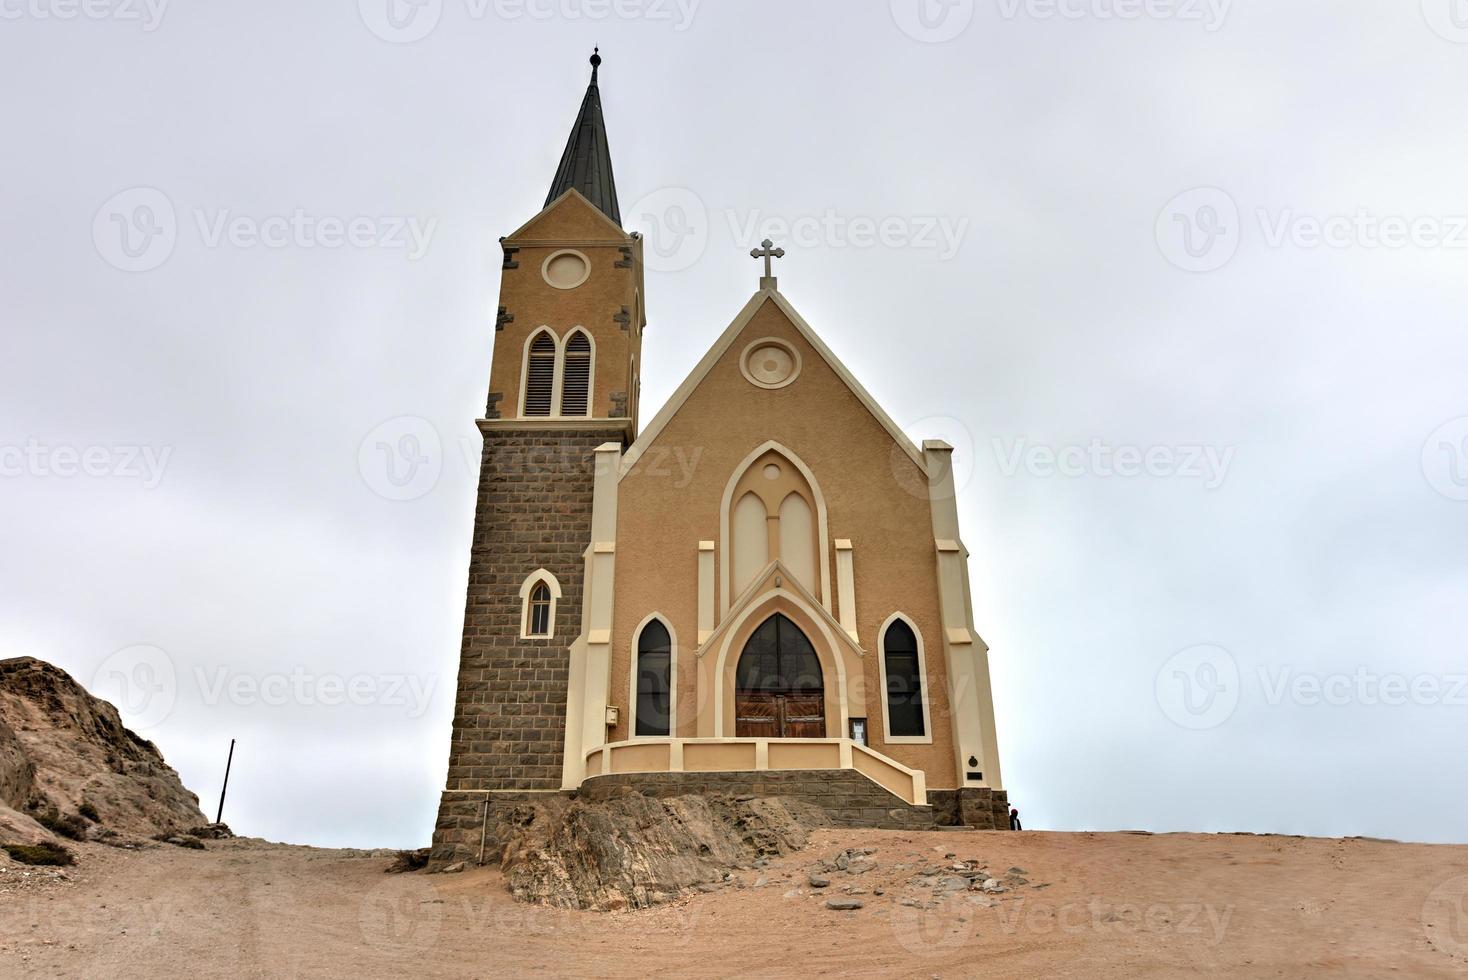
843	904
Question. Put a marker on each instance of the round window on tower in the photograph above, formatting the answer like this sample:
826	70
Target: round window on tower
566	269
770	363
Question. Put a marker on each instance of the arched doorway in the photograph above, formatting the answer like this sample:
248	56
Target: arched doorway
779	688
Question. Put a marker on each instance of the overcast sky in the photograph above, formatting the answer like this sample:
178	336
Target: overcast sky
1184	282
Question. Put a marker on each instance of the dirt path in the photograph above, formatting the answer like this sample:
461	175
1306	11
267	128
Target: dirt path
1095	906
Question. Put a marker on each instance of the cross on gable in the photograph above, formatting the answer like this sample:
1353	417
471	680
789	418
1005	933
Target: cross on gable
767	251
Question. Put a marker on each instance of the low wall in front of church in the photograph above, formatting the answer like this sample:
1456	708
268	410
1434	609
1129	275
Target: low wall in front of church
972	806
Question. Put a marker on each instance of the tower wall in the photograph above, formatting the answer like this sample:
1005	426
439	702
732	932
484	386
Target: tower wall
533	511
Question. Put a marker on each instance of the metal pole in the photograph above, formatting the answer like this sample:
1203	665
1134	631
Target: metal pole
483	830
219	817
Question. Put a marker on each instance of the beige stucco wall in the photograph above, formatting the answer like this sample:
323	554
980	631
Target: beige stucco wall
571	224
874	495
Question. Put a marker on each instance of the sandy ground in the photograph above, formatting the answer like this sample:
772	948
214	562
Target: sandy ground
1096	905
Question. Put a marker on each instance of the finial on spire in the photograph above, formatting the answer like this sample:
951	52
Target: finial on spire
595	62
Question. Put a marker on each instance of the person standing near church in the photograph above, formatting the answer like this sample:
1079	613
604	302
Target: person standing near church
1014	823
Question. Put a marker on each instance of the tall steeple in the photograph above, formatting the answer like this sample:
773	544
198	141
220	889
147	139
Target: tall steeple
587	163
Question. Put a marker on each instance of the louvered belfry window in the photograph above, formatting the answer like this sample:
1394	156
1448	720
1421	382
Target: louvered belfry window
576	376
540	375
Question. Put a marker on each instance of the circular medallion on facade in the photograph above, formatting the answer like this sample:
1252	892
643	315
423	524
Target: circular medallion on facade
770	363
566	269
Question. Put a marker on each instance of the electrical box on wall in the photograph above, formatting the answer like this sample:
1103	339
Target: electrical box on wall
611	716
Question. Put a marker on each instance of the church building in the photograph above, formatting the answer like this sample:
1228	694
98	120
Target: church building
760	590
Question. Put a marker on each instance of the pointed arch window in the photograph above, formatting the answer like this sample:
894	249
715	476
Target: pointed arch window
904	683
576	376
653	698
540	374
538	598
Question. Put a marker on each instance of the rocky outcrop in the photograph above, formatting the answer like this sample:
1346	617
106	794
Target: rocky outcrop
635	851
67	761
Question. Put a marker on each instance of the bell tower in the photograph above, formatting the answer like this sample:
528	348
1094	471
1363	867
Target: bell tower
563	381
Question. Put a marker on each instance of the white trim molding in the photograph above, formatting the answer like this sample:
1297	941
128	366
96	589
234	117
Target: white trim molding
585	267
554	587
726	340
846	587
672	677
922	658
705	591
785	345
822	535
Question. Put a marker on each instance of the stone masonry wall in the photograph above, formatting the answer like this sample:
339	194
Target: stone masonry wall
976	807
533	511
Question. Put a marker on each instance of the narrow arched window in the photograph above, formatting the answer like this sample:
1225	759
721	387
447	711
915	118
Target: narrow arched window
900	661
540	611
654	680
540	374
538	596
576	376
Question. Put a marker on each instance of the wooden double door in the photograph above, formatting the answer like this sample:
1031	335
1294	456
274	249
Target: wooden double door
780	715
779	687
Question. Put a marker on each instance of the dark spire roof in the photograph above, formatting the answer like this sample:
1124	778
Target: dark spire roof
587	163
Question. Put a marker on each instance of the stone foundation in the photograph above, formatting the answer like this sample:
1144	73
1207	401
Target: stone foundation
976	807
848	799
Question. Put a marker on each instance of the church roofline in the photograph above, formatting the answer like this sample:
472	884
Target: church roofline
516	237
722	345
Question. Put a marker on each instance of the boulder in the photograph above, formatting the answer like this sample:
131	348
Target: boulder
67	760
634	851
